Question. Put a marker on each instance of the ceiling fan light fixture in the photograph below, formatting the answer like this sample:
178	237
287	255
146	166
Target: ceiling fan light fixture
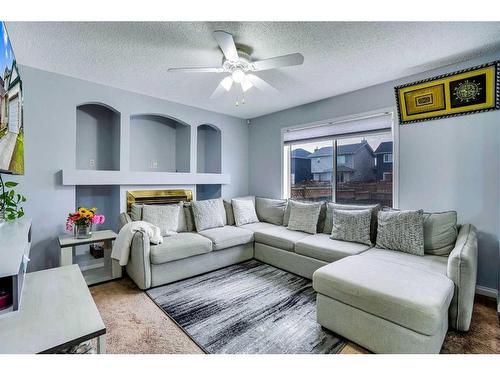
246	85
238	75
227	83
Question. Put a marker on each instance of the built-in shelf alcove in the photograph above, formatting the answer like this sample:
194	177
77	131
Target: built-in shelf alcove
97	137
208	191
159	144
208	149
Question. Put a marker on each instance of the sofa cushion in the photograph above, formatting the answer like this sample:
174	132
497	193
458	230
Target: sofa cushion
401	231
136	215
179	246
270	210
339	206
279	237
440	232
430	263
165	217
404	295
352	226
322	247
304	216
244	212
207	214
227	236
254	227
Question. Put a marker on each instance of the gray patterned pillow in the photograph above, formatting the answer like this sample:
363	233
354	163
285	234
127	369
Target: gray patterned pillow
244	212
136	215
402	231
207	214
352	225
339	206
164	217
304	216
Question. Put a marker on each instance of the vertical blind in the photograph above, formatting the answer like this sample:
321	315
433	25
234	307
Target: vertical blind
359	126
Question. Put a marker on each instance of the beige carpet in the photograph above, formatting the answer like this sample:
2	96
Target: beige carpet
136	325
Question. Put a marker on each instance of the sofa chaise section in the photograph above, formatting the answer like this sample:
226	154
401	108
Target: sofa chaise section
384	306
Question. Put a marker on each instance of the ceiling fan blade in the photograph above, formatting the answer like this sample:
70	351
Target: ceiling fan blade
219	90
226	44
279	62
196	70
260	83
223	87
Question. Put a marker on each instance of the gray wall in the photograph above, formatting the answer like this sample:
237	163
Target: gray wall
154	138
50	102
98	134
209	149
449	164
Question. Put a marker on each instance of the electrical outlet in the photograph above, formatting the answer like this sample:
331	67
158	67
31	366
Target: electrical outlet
92	162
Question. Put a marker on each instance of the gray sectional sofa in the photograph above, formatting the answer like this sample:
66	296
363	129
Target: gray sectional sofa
386	301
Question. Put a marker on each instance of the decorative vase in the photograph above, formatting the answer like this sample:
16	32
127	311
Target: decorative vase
83	231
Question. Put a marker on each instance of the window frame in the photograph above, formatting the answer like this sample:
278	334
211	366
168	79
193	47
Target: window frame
286	151
387	161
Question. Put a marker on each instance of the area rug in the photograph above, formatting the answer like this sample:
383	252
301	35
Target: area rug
248	308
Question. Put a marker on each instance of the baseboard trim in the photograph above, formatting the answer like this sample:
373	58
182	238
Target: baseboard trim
485	291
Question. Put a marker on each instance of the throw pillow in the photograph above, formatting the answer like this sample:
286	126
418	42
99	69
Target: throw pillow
136	212
286	216
165	217
304	216
440	232
401	231
270	210
207	214
188	212
352	226
229	212
338	206
244	212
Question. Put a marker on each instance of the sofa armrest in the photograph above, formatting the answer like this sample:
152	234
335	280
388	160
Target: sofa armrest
462	270
139	266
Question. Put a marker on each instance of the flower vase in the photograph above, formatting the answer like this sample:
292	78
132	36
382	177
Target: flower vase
83	231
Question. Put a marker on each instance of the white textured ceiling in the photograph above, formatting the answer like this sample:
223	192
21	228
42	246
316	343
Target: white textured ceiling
339	56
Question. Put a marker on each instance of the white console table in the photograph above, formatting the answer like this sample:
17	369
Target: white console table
57	312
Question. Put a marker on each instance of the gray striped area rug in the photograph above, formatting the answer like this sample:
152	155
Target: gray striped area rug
248	308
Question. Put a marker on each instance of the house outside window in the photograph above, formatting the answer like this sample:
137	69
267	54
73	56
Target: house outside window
353	169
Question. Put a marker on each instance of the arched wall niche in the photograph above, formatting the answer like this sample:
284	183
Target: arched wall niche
97	137
159	143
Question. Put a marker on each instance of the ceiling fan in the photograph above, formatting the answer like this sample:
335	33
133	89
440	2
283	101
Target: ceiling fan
238	63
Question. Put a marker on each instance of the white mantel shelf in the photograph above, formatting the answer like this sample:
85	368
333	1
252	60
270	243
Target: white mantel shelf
90	177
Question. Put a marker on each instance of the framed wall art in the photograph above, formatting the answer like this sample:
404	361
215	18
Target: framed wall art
464	92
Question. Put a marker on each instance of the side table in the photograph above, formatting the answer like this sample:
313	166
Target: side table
94	270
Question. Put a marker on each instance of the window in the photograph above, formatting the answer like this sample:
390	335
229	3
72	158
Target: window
311	171
351	169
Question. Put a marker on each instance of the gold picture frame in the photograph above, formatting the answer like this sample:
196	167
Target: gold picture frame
464	92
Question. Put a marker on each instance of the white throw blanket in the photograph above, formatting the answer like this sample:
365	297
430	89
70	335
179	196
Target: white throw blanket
121	246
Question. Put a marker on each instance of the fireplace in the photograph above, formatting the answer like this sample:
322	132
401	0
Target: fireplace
158	196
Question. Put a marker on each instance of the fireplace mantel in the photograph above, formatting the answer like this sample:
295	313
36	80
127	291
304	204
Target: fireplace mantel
91	177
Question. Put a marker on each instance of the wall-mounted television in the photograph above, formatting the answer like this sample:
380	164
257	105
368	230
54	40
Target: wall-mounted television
11	109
